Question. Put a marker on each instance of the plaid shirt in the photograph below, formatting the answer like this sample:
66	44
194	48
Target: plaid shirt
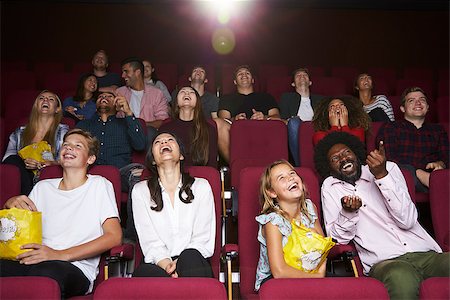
406	144
117	137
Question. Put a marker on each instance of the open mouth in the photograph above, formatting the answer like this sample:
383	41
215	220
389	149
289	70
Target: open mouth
45	105
165	149
69	156
293	187
347	166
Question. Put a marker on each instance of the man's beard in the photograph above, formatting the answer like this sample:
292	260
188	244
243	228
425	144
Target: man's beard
348	178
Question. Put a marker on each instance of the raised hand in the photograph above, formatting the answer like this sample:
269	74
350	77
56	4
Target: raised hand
435	165
122	105
351	203
257	115
343	116
376	161
240	116
333	117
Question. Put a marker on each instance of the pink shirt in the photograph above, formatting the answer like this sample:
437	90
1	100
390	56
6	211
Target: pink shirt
385	226
153	104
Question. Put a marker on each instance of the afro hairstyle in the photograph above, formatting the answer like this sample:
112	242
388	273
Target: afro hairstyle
337	137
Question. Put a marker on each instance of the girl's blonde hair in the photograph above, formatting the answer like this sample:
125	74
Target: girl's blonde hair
32	126
270	204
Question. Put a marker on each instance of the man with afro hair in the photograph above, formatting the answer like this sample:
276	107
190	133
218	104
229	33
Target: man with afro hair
365	200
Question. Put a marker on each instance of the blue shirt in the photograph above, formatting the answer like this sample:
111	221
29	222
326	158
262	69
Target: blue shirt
88	110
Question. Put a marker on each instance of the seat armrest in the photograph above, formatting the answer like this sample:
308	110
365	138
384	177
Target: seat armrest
125	251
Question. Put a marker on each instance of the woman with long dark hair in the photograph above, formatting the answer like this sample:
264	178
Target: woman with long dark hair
190	125
82	105
174	215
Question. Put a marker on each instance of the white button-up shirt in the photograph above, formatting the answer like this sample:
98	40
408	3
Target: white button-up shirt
166	233
385	226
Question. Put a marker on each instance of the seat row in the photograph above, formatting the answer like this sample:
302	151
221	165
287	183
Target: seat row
248	208
211	289
274	79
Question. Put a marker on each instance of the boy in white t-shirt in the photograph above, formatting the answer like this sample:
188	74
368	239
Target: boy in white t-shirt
80	221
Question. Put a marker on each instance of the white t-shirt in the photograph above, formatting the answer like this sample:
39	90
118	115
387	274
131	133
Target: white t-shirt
305	111
135	101
71	218
167	233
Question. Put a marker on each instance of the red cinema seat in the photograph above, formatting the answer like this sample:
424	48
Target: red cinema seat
167	73
329	86
161	288
424	84
276	86
384	73
226	72
9	182
439	206
29	287
435	288
60	82
268	72
443	88
316	71
324	288
372	136
17	80
348	74
418	73
442	108
81	67
256	143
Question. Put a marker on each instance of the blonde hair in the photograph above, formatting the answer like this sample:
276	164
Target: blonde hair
269	204
32	127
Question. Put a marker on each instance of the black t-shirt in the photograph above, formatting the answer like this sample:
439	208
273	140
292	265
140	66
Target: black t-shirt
238	103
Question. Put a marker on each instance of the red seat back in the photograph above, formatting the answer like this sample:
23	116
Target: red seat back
439	206
161	288
276	86
261	142
348	288
9	182
329	86
372	136
435	288
29	287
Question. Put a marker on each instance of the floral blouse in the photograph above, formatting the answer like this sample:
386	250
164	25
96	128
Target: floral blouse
263	268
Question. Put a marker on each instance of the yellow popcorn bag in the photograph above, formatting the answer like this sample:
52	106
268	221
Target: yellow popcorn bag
18	227
40	152
306	250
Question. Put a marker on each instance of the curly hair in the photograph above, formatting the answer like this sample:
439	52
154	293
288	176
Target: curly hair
357	117
321	150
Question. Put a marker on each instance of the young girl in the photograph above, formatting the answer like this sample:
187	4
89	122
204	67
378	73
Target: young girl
282	199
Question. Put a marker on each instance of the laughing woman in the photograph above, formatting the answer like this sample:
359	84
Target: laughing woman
174	215
43	125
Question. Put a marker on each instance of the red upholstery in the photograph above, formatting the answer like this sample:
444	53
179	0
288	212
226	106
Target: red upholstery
9	182
381	87
418	73
19	65
396	102
329	86
315	71
435	288
263	141
25	97
384	73
305	145
167	73
81	67
443	87
227	76
276	86
424	84
60	82
268	72
160	288
439	206
372	136
443	108
323	288
139	156
109	172
249	208
69	122
348	74
29	287
18	80
409	183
